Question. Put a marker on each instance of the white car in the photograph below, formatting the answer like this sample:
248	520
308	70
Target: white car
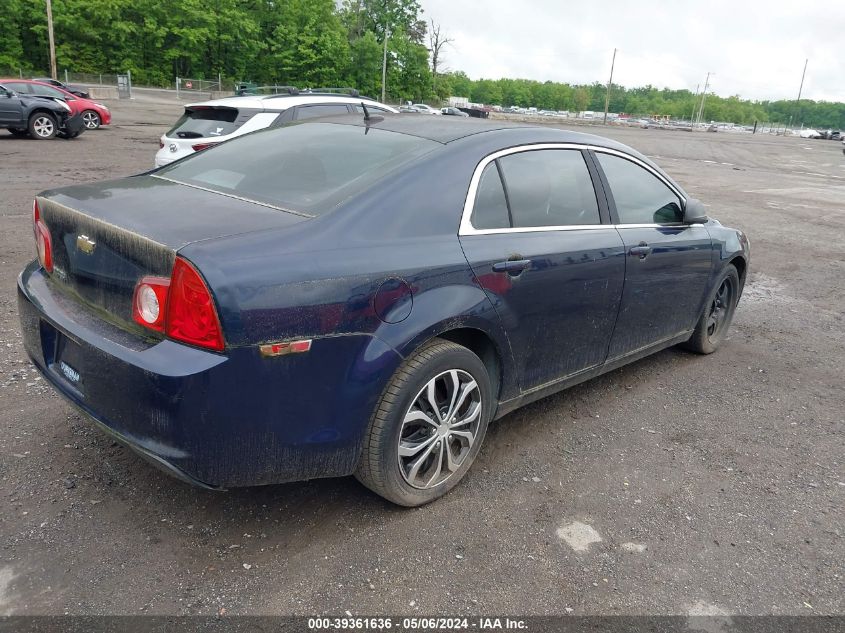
426	109
209	122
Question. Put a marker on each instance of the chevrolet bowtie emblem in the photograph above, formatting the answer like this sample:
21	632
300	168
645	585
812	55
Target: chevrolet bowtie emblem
85	244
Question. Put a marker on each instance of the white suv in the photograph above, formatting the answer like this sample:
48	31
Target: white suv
209	122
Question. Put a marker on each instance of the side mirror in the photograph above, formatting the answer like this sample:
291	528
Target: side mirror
694	212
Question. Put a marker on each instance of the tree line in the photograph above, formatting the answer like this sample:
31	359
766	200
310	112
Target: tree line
314	43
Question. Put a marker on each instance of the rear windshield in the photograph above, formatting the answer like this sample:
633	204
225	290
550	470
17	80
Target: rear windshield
203	122
310	167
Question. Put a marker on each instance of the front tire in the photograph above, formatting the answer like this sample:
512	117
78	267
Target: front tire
42	126
429	425
715	319
91	119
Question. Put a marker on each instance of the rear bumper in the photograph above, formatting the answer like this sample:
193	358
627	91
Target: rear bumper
216	420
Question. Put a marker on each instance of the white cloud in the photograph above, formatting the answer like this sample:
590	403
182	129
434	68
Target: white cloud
755	48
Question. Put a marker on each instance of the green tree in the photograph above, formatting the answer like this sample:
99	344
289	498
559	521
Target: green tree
11	49
309	45
365	67
487	91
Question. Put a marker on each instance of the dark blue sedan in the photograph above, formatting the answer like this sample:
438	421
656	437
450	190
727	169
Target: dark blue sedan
363	296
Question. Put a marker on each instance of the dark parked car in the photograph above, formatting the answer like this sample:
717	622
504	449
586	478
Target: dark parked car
79	91
363	297
39	116
93	114
450	111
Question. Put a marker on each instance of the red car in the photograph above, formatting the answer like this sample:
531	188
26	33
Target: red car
94	114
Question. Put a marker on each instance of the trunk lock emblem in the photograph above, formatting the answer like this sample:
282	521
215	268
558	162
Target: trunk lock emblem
85	244
173	147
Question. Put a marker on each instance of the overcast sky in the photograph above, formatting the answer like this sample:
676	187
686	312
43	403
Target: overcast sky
755	48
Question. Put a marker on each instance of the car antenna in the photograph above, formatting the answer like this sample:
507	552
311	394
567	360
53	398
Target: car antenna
368	118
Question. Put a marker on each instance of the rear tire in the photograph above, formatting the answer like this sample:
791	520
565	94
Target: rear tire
42	126
715	319
428	426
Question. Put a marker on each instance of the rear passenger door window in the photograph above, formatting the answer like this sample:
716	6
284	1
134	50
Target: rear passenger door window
314	111
640	196
549	187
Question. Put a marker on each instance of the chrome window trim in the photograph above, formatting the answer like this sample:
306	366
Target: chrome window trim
466	227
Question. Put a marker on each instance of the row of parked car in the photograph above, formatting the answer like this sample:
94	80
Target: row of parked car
46	108
209	123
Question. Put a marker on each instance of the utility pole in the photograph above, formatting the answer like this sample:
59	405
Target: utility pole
609	82
800	89
694	99
384	68
703	97
53	72
384	55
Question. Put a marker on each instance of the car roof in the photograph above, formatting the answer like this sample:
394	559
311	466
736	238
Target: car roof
39	82
284	101
447	130
491	133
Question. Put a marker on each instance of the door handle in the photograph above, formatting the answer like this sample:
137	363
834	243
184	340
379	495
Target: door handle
513	267
642	250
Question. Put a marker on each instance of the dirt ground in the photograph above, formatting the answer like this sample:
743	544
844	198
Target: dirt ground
715	484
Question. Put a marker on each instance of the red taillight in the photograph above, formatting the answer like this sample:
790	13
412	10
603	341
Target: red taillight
181	307
160	144
43	243
201	146
191	315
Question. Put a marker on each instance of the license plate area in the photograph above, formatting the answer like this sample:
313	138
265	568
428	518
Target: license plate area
63	357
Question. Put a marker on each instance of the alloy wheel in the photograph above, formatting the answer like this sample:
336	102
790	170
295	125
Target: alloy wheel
439	429
720	309
91	120
43	127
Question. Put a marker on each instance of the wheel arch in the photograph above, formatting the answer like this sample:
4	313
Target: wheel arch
482	345
42	110
741	266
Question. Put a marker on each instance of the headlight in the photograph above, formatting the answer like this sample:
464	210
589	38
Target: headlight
63	104
100	105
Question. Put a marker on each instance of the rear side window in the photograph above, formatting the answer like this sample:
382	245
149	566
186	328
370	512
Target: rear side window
490	210
549	188
370	108
309	167
314	111
206	122
640	196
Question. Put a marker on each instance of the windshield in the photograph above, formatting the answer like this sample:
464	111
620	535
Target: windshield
310	167
202	122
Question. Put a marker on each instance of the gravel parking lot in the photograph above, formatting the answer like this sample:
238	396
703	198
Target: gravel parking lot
677	485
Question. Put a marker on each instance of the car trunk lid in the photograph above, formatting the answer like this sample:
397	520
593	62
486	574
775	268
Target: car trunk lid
105	237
